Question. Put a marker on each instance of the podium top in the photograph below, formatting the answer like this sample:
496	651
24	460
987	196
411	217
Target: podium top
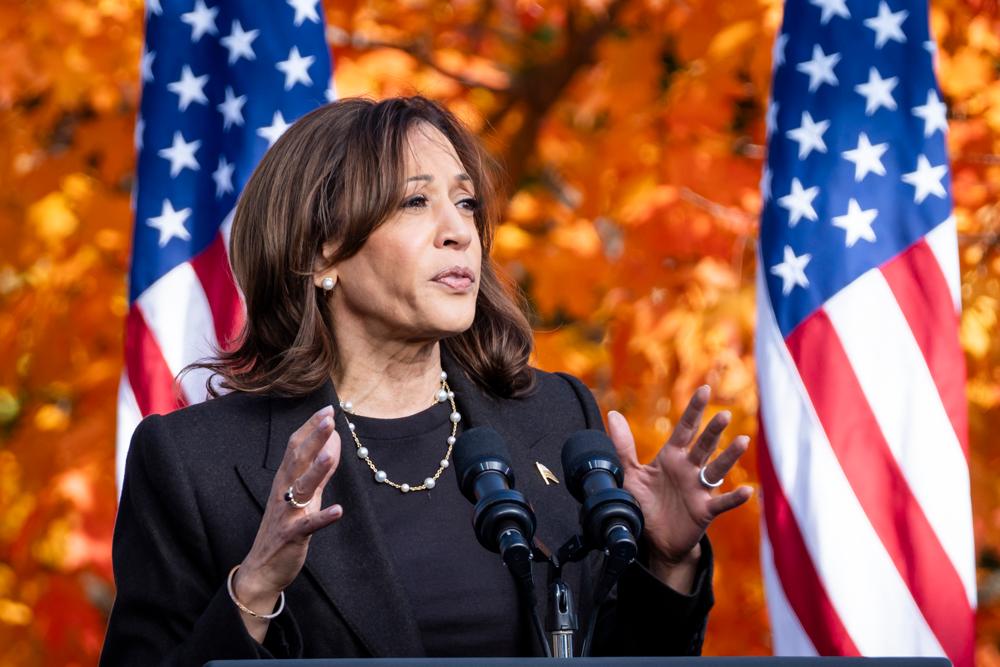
766	661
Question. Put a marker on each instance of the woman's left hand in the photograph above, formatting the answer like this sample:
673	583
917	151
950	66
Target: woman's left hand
676	506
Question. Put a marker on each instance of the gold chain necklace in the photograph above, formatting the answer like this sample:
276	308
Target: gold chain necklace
443	394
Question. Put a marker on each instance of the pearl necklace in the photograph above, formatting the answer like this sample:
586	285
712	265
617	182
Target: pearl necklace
443	394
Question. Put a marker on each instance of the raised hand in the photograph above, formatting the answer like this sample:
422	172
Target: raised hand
677	506
282	542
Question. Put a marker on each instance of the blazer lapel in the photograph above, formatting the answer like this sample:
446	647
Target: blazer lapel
347	561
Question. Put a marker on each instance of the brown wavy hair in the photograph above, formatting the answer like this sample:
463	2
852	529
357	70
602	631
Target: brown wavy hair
336	175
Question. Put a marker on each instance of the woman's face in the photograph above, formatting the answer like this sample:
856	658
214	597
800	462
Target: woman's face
417	275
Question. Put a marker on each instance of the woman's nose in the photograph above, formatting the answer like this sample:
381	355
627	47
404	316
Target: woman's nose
455	228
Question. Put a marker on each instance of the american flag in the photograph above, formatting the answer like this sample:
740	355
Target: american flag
867	539
221	80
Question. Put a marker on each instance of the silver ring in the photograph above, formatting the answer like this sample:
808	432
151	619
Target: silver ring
290	498
704	482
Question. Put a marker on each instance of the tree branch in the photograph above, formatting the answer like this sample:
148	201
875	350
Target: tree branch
419	52
536	88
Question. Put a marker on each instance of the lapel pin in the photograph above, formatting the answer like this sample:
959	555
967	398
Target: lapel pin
546	474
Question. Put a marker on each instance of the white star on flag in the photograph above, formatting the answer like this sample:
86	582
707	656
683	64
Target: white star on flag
181	154
153	7
202	20
238	42
809	135
140	127
304	9
792	270
867	158
223	177
765	184
857	223
799	202
232	108
926	179
296	68
877	92
189	88
778	51
830	9
146	64
887	25
273	131
820	68
170	223
331	91
771	118
934	114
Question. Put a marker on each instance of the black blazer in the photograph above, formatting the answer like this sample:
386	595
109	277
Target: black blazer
197	481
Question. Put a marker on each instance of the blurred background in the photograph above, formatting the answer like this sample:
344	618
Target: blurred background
633	135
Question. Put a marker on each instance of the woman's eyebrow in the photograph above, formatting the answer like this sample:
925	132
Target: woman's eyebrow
428	178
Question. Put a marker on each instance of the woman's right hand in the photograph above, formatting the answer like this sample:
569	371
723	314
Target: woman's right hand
282	541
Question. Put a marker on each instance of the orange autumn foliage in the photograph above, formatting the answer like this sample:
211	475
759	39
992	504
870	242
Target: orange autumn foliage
633	134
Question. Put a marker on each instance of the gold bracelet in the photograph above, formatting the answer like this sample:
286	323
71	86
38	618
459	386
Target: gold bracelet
247	610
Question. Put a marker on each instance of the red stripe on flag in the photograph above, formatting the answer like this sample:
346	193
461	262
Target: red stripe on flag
880	485
921	289
801	583
212	268
148	373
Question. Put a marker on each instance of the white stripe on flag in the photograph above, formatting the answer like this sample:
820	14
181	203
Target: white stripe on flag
226	229
128	417
902	394
943	241
178	315
871	600
792	640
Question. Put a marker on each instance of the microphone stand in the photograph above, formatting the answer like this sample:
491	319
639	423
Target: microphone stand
561	622
562	619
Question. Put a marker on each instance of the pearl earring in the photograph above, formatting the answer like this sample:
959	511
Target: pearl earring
328	283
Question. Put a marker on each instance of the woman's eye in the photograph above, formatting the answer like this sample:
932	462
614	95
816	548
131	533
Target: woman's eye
469	203
415	201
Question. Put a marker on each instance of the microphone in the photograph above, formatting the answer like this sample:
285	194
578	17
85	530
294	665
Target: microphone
609	515
503	520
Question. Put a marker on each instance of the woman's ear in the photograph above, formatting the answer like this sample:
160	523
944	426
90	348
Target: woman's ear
325	273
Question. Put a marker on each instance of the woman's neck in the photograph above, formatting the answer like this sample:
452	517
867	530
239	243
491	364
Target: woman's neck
387	379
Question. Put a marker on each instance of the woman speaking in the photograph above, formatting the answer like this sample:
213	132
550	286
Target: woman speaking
311	510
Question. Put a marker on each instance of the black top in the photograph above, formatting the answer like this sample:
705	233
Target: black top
464	600
196	485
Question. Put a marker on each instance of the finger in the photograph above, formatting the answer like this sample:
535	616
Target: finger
306	485
691	419
730	500
624	442
720	466
305	442
310	523
333	446
709	438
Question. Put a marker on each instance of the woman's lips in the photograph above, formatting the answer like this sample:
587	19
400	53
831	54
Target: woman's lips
455	282
456	277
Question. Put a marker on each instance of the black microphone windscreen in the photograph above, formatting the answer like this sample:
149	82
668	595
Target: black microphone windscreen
472	448
580	450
